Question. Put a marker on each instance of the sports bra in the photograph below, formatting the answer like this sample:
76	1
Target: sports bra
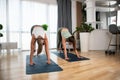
65	33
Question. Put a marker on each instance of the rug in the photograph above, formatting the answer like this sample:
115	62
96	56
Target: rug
41	66
72	56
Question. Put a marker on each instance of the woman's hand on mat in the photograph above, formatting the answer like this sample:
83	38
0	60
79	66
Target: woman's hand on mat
78	56
67	58
31	64
48	62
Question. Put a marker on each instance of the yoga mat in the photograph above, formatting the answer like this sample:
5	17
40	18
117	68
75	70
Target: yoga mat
41	66
72	56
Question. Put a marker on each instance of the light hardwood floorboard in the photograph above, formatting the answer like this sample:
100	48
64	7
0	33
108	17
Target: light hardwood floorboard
99	67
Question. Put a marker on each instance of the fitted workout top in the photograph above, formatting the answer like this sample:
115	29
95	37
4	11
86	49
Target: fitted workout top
38	31
65	33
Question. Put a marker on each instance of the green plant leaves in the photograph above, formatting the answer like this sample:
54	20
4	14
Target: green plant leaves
1	35
1	27
85	28
45	27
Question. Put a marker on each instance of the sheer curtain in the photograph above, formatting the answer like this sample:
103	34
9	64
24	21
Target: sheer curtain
3	20
32	13
39	13
18	16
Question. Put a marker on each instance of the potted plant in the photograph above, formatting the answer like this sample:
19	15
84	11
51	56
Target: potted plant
84	27
1	27
84	31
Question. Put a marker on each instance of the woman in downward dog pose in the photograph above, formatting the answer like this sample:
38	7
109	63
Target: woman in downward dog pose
64	36
38	35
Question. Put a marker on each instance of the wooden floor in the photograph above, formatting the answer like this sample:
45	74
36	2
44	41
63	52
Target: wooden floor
99	67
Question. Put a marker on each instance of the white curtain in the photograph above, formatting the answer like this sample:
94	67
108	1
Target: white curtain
19	16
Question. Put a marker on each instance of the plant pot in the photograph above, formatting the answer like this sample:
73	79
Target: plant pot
84	41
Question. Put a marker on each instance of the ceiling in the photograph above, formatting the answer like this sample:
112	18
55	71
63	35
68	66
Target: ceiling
106	5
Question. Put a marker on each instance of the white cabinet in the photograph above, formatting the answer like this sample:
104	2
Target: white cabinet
99	39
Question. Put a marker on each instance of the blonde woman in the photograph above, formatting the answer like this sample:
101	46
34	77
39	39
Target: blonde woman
38	35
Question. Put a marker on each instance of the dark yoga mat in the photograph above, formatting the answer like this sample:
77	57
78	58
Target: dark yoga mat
41	66
72	57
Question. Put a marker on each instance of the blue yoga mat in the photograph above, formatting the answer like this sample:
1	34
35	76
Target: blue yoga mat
72	56
41	66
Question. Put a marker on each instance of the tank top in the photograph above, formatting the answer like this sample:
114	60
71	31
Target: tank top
38	31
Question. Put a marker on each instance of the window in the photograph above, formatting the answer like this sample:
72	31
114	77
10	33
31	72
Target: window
3	20
112	20
38	13
18	16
